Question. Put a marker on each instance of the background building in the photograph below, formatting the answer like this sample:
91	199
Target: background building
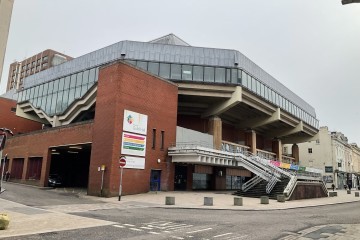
37	63
6	7
332	153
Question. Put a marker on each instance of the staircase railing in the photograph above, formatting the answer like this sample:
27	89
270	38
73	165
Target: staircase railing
290	187
271	184
251	183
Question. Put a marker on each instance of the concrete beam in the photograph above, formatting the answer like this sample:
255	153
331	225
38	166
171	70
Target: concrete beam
283	133
235	99
300	139
254	123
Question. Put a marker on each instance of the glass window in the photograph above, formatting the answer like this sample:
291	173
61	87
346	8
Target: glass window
85	77
83	90
45	91
65	100
228	75
186	72
262	90
73	81
58	102
92	75
209	74
244	79
43	103
220	75
235	76
198	73
20	96
48	103
258	88
165	70
34	102
175	71
79	79
61	84
53	103
71	95
266	92
51	87
253	83
31	93
142	65
153	68
67	82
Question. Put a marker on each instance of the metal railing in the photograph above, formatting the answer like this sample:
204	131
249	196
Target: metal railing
251	183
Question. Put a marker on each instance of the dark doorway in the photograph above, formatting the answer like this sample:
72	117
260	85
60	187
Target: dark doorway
155	179
180	178
71	164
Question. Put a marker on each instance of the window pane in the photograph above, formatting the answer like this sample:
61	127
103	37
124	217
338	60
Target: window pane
165	70
142	65
209	74
67	82
262	90
131	62
228	75
79	79
61	84
253	83
56	85
73	81
175	71
58	108
53	103
92	75
220	75
153	68
71	95
186	72
198	73
45	92
236	76
85	77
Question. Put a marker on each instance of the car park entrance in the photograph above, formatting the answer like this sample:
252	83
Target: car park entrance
69	166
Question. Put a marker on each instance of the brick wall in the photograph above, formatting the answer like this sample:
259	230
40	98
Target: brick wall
38	143
120	87
9	120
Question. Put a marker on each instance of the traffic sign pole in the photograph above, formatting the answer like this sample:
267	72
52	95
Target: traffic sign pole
120	188
122	164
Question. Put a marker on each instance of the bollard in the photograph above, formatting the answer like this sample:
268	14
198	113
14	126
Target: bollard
281	198
264	200
356	194
348	191
208	201
238	201
169	200
4	221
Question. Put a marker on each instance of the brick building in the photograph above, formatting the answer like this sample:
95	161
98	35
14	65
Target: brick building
185	118
37	63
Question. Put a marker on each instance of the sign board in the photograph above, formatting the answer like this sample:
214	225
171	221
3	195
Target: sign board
135	162
135	122
122	162
133	144
328	169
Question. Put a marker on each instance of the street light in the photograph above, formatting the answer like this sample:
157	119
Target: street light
344	2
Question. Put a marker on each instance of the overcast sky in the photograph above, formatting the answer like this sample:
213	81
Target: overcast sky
311	46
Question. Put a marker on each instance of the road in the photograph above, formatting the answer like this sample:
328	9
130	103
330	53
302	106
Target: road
146	222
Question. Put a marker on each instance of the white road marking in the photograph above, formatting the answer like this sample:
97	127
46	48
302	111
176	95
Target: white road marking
136	229
177	237
154	232
118	226
222	235
149	228
201	230
129	225
238	237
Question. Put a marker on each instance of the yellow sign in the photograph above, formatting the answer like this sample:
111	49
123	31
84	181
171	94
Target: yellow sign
102	168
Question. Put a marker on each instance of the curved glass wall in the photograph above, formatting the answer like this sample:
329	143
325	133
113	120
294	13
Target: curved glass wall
55	97
186	72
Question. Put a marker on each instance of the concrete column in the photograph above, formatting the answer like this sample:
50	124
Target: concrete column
250	140
277	148
25	168
215	129
295	152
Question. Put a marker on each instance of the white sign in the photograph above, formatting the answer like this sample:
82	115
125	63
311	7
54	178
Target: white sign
135	162
133	144
135	122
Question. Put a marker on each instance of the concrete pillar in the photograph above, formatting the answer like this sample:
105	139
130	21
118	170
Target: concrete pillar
277	148
295	152
250	140
215	129
25	168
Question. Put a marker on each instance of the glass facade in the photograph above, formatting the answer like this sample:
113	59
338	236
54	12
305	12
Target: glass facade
55	96
236	76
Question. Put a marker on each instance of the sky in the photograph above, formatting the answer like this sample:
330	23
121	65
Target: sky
311	46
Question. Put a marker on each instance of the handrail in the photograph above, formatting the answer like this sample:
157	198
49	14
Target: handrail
251	183
271	184
290	187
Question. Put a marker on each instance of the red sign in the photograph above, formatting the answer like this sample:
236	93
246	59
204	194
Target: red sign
122	161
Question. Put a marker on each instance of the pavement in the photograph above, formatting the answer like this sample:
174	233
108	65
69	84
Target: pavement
26	220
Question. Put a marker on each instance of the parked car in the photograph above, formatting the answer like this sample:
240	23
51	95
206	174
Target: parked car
55	180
